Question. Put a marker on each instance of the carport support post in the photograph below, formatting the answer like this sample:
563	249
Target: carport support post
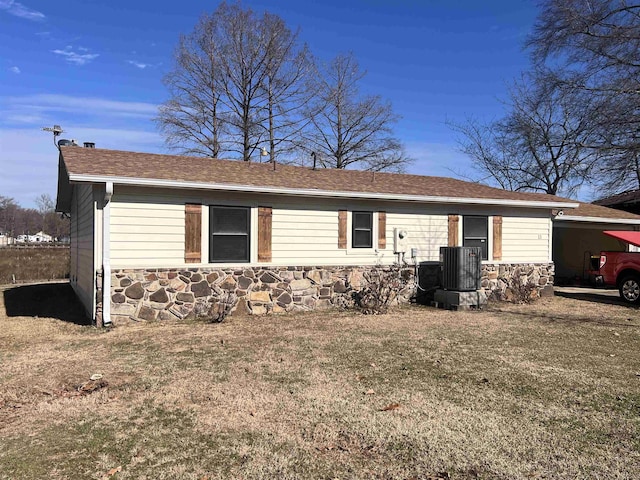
106	255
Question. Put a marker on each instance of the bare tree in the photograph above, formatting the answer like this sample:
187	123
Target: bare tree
45	203
288	87
8	214
594	46
542	144
192	120
238	80
349	129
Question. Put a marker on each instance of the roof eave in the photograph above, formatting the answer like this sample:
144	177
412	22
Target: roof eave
570	218
147	182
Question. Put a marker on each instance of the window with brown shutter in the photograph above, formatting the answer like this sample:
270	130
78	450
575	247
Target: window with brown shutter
453	230
264	234
361	229
230	234
497	237
192	233
475	233
382	230
342	229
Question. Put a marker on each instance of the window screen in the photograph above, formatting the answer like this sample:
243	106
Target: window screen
230	228
475	233
362	231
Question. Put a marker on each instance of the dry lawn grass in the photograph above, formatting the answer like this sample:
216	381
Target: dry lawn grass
33	263
550	390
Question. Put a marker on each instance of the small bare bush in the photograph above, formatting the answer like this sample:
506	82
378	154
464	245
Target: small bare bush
383	287
223	307
522	289
216	310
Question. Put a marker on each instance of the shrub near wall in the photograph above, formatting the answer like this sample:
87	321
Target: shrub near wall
28	264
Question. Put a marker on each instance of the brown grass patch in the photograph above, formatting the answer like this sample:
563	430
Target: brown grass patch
33	263
538	391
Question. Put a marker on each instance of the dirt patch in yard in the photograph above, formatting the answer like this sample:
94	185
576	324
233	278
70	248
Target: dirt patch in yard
550	390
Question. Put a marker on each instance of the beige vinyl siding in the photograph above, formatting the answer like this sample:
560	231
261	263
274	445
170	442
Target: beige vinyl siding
146	231
302	237
310	237
525	239
147	228
82	246
427	233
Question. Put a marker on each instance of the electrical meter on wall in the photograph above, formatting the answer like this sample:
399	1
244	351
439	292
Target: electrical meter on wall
400	240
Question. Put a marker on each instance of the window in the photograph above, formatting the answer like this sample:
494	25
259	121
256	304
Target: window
229	228
362	230
475	232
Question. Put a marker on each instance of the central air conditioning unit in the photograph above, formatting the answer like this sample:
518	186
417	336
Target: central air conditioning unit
400	240
461	268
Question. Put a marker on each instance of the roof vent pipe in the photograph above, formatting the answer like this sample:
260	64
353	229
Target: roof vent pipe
89	145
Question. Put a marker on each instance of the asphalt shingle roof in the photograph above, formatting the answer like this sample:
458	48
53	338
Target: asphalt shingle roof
628	197
591	210
101	162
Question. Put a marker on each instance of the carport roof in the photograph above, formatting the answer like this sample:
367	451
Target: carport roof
588	212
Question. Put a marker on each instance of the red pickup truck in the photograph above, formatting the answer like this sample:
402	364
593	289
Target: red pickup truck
621	269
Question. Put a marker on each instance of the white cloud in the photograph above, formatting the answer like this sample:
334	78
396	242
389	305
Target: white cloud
43	104
14	69
139	65
28	156
19	10
74	57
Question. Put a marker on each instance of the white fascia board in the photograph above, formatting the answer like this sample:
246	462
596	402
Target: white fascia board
308	192
569	218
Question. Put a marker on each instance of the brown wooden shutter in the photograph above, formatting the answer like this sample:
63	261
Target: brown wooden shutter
453	230
264	234
382	230
192	233
497	237
342	229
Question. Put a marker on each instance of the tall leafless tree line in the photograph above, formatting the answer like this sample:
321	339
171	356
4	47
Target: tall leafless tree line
16	220
575	117
243	83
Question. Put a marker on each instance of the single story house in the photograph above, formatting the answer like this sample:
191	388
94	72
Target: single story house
39	237
577	236
163	236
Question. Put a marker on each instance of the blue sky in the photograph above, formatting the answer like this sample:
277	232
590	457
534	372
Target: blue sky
96	70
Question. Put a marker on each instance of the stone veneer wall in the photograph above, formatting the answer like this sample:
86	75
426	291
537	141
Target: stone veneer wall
496	278
167	294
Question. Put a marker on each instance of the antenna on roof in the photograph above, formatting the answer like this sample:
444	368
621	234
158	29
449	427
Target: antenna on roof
56	130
